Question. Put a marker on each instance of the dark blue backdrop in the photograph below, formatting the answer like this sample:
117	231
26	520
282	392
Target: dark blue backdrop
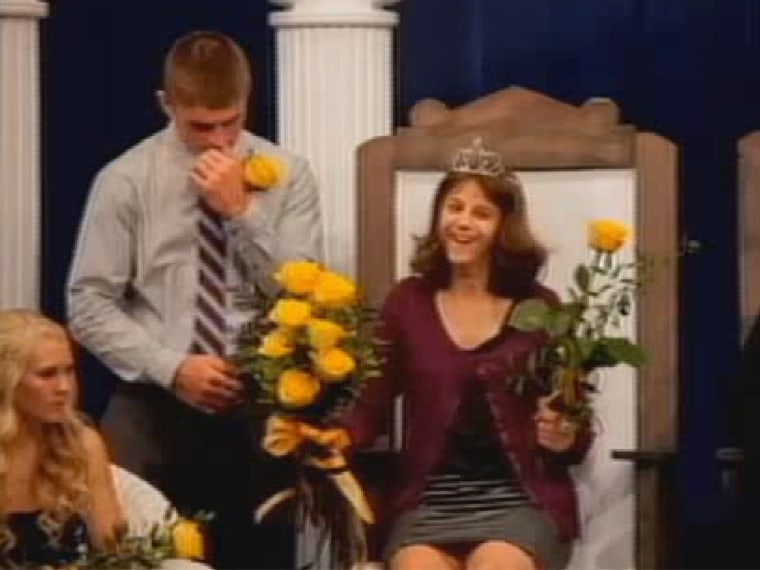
686	69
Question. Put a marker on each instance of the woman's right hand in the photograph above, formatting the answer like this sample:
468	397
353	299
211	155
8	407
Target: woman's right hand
554	431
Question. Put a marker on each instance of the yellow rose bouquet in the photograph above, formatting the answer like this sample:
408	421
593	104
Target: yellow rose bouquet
308	352
584	332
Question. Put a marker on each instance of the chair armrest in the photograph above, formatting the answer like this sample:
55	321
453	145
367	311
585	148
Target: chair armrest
729	456
143	504
645	458
730	461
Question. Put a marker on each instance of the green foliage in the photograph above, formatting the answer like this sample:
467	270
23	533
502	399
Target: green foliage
584	332
140	552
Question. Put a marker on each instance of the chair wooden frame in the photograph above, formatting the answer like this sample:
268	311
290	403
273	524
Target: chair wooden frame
535	132
749	229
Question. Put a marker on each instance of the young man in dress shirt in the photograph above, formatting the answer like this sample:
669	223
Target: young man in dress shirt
133	292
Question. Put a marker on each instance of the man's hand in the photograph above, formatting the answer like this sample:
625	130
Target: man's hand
553	430
219	175
207	383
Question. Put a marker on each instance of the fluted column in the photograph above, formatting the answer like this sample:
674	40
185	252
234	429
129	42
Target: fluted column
20	187
334	73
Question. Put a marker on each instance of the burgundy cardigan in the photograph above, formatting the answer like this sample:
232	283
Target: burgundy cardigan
433	374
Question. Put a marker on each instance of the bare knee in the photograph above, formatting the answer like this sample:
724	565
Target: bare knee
499	555
422	557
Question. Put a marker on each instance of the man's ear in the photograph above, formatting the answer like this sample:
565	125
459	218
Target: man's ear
163	102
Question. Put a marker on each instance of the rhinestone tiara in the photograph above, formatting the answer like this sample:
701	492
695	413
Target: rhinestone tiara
476	159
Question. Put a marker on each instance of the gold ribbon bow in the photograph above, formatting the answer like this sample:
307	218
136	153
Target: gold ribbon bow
285	435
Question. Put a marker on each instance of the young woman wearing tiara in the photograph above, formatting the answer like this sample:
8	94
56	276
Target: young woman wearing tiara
482	479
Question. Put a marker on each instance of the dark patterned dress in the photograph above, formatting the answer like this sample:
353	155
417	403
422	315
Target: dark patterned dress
37	544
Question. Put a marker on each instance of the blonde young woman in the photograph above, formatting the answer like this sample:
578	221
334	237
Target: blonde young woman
57	497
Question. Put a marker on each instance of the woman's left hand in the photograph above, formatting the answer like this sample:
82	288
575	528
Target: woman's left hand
553	430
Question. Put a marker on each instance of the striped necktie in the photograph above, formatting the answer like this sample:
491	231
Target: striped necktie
209	328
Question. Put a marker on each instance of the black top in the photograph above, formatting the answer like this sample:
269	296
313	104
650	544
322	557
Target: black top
474	461
473	446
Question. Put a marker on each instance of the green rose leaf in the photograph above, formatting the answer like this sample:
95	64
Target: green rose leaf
582	277
560	320
623	350
585	347
531	315
599	356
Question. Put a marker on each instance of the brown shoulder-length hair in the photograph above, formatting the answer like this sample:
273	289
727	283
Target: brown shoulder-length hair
207	69
517	256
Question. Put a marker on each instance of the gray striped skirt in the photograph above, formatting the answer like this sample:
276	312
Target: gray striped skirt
456	510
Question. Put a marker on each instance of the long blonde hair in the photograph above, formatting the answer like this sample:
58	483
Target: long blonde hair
60	478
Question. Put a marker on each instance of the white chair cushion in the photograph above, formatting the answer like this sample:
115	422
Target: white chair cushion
143	504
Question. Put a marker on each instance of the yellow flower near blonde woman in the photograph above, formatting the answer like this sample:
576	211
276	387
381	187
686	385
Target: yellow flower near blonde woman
334	364
262	171
334	290
296	388
290	313
298	277
324	334
188	539
276	344
607	235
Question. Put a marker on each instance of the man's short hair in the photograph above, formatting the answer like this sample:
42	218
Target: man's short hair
206	69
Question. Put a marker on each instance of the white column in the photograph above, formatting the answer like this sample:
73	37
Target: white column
334	71
334	91
20	214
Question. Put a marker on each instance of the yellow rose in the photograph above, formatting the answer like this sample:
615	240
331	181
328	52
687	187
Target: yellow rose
296	388
607	235
324	334
334	364
298	277
334	290
290	313
276	344
188	539
263	171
